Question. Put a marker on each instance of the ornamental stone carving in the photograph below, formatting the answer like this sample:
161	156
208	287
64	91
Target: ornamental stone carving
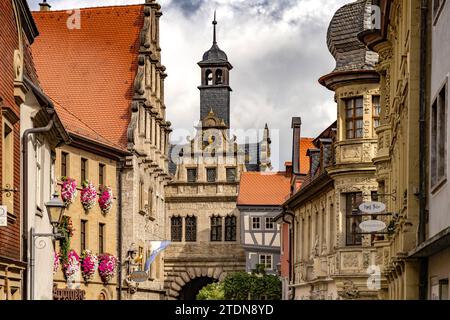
350	291
351	153
350	260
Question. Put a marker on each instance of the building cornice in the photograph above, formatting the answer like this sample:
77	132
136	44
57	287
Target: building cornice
214	198
97	148
324	180
334	80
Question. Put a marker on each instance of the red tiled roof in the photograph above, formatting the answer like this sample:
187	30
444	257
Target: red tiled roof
258	188
90	71
305	144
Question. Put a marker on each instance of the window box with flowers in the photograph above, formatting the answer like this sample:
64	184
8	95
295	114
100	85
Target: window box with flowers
72	265
105	200
107	267
89	265
88	195
68	190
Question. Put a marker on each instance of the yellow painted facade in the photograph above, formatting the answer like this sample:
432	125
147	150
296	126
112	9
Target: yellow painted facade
95	289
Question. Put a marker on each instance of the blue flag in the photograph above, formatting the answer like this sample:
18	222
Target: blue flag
157	248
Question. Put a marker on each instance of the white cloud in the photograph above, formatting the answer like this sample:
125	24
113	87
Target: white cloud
278	50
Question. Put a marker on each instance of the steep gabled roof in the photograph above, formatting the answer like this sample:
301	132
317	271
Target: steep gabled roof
264	189
90	71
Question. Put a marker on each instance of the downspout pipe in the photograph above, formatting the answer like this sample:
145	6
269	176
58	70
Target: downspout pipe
422	146
120	237
291	243
25	232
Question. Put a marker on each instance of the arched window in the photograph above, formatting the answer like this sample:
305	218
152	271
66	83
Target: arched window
209	77
216	228
176	229
230	228
191	229
219	76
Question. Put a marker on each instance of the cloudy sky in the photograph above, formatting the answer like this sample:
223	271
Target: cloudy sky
278	50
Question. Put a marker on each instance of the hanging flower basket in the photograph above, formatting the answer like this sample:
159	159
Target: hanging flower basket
56	263
105	200
72	265
88	195
107	267
68	190
67	230
89	265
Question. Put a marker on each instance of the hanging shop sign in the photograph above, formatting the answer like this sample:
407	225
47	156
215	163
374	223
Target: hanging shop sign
3	216
372	225
138	276
68	294
372	207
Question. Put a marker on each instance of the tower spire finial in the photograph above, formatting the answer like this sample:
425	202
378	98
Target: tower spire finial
214	24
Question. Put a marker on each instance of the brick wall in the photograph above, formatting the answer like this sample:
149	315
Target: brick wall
9	236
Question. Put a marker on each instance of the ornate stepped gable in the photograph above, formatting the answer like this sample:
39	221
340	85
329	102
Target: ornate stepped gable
92	90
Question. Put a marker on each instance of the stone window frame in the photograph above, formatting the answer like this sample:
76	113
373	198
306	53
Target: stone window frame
230	228
176	229
150	204
141	197
216	228
376	113
438	138
353	218
195	176
209	178
190	225
227	170
355	118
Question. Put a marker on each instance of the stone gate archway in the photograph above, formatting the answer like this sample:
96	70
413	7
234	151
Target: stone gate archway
192	288
183	284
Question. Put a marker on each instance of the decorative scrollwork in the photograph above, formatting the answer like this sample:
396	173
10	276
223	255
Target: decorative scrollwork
8	190
40	243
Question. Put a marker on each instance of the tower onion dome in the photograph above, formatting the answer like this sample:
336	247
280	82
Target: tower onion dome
350	53
215	54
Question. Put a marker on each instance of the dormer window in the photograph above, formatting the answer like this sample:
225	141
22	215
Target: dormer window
209	77
219	76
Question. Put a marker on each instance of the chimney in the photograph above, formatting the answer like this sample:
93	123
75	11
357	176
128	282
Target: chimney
44	6
296	126
288	166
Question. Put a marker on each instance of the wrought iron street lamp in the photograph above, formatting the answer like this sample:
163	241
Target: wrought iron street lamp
55	210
